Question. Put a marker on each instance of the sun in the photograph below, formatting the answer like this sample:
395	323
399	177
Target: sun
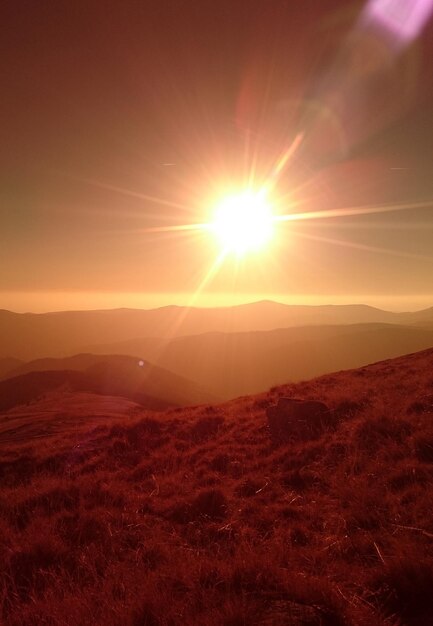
243	222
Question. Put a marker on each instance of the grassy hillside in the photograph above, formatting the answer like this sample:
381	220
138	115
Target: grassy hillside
193	516
62	412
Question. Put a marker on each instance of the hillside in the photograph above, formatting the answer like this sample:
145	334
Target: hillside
7	365
62	411
30	336
195	517
234	364
151	386
78	362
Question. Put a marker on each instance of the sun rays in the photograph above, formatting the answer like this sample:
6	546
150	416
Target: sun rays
245	222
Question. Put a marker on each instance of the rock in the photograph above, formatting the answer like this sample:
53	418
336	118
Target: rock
292	418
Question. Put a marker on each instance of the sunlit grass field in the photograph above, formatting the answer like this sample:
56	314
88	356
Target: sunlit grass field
194	516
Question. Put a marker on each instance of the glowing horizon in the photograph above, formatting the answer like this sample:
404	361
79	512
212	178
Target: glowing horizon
55	301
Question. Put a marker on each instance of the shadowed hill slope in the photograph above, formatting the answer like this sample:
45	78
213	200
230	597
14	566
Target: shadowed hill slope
151	386
7	365
31	336
194	516
233	364
77	362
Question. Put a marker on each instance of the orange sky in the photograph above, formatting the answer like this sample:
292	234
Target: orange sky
122	117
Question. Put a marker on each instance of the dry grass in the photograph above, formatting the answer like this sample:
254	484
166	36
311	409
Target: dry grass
194	517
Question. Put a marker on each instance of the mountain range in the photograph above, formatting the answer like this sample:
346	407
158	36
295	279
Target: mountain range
233	364
229	352
30	336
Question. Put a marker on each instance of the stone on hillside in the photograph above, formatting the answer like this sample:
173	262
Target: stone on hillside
292	418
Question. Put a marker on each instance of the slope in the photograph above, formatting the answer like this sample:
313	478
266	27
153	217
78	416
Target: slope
233	364
138	380
194	517
8	364
63	412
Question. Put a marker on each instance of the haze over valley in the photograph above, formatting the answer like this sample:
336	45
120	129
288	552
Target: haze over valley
240	350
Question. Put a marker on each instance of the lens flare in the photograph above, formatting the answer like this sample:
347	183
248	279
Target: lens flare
404	19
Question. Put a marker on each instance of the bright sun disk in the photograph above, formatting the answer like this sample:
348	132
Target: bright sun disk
243	222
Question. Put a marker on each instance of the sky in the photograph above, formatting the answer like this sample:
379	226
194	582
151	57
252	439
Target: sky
120	121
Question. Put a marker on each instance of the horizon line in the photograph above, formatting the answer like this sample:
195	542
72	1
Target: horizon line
74	301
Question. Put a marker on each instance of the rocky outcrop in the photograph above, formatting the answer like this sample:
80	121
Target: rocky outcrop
295	419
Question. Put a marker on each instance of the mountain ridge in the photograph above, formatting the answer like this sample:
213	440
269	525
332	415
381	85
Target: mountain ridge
35	335
251	362
152	386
